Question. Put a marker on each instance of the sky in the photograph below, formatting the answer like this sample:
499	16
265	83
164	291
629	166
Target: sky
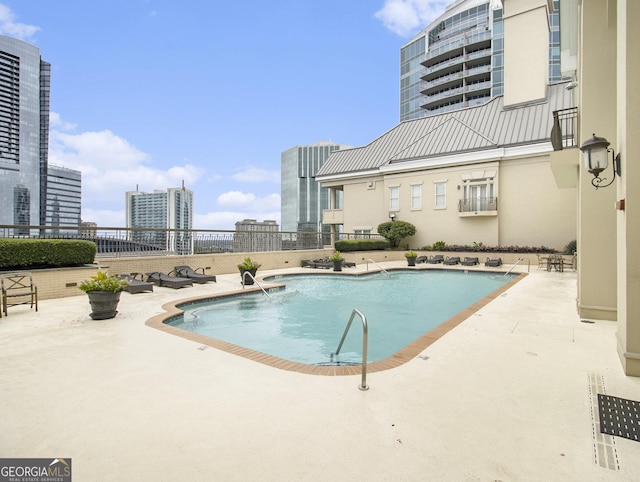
148	94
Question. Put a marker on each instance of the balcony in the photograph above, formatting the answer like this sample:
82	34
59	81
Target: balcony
484	206
565	128
332	216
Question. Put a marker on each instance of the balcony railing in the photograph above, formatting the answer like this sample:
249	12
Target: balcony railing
565	128
135	242
475	205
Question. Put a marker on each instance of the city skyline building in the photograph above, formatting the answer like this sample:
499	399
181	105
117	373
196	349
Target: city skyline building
25	84
302	197
252	235
457	61
64	197
160	211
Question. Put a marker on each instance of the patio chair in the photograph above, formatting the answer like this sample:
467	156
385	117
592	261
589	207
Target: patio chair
452	260
197	275
168	281
438	258
135	285
470	261
543	261
493	262
18	288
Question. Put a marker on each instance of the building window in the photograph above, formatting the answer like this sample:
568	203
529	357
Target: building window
394	198
478	195
416	196
362	233
440	189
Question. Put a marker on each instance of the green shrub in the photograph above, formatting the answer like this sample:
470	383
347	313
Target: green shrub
348	245
103	282
396	231
571	247
45	253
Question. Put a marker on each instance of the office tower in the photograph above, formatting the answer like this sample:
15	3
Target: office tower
24	133
252	235
302	198
458	60
165	214
64	198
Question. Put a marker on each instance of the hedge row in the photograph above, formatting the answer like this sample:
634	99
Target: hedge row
361	245
45	253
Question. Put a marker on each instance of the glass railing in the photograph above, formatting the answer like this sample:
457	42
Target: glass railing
135	242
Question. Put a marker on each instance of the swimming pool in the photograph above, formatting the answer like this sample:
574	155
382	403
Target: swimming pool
304	322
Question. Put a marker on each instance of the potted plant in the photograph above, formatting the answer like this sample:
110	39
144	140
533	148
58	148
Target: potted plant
248	265
337	259
103	291
411	257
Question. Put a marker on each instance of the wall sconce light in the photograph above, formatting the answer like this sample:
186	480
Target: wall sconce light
392	216
596	159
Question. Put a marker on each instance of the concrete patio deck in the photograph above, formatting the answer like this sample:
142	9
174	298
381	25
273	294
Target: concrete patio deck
507	395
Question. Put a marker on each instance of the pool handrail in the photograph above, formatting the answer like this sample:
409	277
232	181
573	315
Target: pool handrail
372	261
254	280
516	264
365	343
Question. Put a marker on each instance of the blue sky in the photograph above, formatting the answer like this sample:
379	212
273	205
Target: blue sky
148	93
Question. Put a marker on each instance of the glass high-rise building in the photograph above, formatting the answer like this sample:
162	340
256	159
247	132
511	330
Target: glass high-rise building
458	60
24	133
302	197
166	213
64	197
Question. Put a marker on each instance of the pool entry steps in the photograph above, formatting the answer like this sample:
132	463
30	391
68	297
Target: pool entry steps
365	343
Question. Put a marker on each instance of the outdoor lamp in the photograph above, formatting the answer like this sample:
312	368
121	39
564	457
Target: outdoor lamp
596	159
392	216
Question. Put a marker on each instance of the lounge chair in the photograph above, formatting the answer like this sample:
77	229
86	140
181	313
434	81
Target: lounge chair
438	258
470	261
493	262
168	281
421	259
194	274
452	260
135	285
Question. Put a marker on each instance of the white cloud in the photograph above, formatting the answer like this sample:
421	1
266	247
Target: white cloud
111	166
253	174
406	17
104	217
56	122
236	199
8	25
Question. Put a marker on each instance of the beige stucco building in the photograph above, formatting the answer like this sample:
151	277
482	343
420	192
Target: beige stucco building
492	174
600	45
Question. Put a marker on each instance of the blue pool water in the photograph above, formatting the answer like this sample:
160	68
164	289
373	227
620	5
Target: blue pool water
305	321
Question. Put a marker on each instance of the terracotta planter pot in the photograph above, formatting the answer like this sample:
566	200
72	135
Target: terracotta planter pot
103	304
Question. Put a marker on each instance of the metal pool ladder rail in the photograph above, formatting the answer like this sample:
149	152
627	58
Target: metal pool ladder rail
254	280
365	343
372	261
516	264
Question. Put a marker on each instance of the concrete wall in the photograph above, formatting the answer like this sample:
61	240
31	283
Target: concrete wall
597	285
526	26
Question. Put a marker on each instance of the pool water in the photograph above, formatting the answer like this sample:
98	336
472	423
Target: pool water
305	321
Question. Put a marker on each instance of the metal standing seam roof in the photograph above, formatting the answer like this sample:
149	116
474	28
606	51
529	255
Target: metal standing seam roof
487	126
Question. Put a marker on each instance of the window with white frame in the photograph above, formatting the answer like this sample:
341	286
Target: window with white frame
394	198
362	233
440	190
416	196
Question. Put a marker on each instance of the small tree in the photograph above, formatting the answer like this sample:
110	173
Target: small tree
396	231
